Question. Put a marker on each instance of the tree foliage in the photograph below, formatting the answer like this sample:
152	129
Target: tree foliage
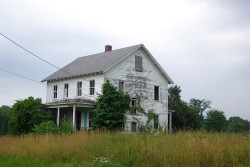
216	121
186	115
111	108
237	124
25	114
4	118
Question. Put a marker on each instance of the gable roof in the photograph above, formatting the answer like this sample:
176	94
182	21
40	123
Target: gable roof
99	63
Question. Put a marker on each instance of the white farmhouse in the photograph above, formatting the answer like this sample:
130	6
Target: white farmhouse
71	91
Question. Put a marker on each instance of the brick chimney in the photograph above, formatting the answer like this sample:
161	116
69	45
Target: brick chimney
108	48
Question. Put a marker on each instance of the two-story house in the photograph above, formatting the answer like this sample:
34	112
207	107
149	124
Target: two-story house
71	91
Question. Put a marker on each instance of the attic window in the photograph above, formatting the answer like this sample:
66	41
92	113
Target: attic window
138	63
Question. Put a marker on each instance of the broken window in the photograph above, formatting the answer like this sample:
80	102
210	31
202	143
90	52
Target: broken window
133	104
133	126
156	93
138	63
121	86
55	91
92	87
79	88
156	122
66	90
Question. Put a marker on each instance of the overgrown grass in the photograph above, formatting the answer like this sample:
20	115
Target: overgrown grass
118	149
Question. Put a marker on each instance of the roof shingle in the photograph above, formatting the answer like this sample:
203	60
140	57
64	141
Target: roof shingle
92	63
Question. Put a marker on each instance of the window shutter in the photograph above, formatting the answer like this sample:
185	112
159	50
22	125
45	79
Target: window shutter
138	63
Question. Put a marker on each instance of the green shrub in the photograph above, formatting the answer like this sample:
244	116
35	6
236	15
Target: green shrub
65	128
51	127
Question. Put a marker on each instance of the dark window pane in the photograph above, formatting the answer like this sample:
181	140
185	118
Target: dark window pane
156	92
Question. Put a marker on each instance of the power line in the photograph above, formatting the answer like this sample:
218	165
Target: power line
21	76
33	53
38	56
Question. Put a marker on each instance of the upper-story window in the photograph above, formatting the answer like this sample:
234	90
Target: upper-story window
79	88
121	86
156	93
92	87
133	104
55	91
66	90
138	63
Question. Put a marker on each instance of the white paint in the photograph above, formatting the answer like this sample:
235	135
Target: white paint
141	82
73	88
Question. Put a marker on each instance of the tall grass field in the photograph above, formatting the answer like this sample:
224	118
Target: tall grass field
119	149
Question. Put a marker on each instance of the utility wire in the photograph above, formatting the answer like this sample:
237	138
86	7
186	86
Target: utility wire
39	57
33	53
20	76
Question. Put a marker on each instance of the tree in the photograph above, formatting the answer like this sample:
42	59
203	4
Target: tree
237	124
199	106
111	108
186	115
25	114
4	118
216	120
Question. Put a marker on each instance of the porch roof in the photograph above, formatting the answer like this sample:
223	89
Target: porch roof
70	102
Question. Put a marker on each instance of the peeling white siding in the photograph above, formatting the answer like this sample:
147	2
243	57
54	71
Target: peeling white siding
99	79
143	83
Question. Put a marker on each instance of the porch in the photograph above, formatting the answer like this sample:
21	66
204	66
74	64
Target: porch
77	112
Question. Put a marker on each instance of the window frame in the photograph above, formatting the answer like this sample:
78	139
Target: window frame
66	91
157	98
135	125
138	67
156	122
123	85
92	87
133	112
79	88
55	91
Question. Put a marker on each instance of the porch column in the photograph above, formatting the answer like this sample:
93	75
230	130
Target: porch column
58	116
74	117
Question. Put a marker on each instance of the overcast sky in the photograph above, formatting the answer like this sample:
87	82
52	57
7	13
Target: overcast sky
204	46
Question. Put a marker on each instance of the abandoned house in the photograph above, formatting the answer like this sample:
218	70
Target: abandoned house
71	91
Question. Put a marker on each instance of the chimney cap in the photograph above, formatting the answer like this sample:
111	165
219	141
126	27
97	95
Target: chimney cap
108	48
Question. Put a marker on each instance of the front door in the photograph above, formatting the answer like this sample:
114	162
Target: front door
78	120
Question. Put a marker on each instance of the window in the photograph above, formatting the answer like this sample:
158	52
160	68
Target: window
55	91
138	63
92	87
133	103
156	122
133	126
66	90
79	88
121	86
156	93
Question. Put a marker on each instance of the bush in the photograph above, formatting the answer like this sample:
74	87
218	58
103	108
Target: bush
51	127
25	114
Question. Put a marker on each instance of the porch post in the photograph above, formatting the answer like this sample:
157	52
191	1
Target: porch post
58	116
74	117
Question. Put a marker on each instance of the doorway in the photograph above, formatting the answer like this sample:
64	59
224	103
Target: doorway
78	120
